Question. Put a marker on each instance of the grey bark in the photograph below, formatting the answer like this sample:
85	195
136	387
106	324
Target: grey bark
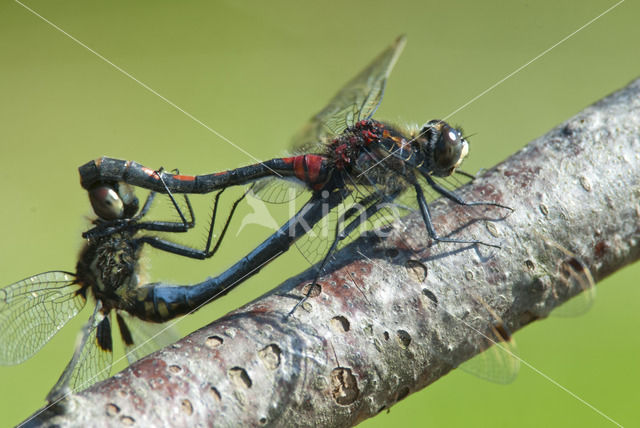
392	317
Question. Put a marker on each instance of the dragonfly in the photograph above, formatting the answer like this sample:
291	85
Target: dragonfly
343	153
343	156
109	273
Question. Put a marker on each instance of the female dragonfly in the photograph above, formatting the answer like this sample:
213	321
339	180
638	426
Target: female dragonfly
109	273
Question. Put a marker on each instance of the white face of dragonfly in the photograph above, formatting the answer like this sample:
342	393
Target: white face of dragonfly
463	152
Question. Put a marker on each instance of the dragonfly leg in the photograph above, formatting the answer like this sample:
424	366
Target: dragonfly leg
168	226
465	174
187	224
457	199
186	251
426	217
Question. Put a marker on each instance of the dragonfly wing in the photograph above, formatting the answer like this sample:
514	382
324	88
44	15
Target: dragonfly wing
316	241
91	360
277	190
574	279
498	360
357	100
141	338
94	364
366	207
314	244
485	333
33	310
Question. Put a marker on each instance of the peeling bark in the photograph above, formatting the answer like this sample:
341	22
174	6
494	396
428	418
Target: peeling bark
392	317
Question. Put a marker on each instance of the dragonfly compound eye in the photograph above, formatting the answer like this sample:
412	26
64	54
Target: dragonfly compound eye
129	199
449	151
106	203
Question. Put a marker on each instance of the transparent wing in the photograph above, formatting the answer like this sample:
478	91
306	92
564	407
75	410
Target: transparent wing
95	360
497	358
141	338
357	100
498	361
91	360
33	310
575	280
277	190
315	244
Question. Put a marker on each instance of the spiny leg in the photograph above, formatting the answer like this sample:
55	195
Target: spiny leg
160	226
186	251
457	199
426	217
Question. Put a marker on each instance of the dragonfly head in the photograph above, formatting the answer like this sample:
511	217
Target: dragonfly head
444	148
113	201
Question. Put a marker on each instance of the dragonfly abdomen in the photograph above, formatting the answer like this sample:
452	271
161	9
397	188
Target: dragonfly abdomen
310	169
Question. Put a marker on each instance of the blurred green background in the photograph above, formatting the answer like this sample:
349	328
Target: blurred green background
255	72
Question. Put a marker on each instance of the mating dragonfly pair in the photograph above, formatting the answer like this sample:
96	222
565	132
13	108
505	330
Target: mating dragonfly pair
354	167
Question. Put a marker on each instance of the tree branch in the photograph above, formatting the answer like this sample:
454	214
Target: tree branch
390	318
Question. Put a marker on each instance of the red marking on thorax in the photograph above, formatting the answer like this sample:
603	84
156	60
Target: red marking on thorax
314	166
342	157
369	137
307	168
290	160
298	168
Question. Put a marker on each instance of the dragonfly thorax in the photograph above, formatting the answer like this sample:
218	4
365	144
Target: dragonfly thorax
364	154
348	147
109	266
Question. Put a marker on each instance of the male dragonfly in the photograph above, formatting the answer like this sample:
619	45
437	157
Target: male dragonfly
342	152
